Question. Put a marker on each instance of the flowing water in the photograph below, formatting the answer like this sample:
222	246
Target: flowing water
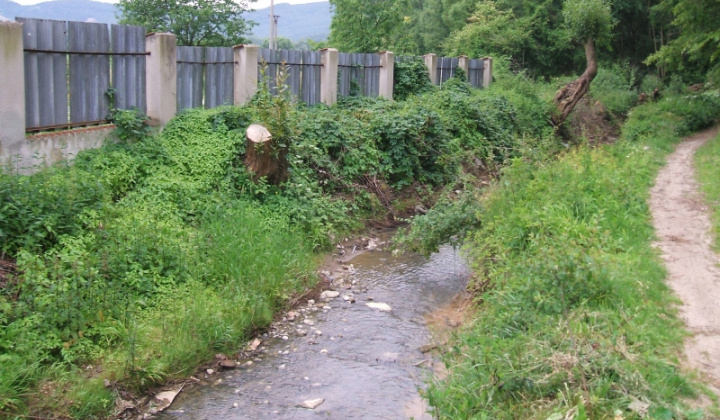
363	362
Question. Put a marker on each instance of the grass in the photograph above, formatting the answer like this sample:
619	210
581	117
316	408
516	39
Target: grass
707	162
146	257
248	264
576	320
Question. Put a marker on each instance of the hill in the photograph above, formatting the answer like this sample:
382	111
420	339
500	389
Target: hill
297	22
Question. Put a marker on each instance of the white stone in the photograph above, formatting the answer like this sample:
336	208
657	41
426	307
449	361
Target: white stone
329	294
312	404
383	307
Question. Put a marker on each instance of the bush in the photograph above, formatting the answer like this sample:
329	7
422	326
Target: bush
575	312
410	78
36	211
613	87
675	115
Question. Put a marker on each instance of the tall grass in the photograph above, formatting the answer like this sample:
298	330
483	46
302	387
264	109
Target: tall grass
245	265
707	162
576	319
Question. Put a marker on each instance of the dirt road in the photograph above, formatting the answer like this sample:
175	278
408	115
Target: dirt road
683	228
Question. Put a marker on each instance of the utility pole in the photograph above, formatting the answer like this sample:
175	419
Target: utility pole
272	25
275	25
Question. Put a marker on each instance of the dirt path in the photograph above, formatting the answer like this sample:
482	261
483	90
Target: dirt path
683	227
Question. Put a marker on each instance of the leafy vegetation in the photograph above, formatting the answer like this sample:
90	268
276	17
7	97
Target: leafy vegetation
205	23
149	255
698	37
575	321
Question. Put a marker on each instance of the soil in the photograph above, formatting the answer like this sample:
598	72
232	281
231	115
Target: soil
683	227
590	120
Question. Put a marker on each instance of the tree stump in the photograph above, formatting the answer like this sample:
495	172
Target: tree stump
264	157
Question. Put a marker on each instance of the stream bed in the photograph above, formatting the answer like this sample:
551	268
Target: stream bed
357	361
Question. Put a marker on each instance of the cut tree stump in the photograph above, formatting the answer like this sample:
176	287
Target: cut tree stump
264	157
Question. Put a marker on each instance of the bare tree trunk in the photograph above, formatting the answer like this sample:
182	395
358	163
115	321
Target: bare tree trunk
263	157
570	94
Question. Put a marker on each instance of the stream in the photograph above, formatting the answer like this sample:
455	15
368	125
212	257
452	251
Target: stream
356	361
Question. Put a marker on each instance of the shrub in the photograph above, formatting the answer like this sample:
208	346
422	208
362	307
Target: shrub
614	90
410	78
36	211
575	312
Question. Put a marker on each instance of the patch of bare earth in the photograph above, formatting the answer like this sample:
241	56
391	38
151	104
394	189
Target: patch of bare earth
590	120
683	228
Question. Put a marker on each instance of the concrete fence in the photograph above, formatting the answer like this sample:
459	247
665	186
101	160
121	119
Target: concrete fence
161	79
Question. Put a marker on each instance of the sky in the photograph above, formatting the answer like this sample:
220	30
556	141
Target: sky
260	4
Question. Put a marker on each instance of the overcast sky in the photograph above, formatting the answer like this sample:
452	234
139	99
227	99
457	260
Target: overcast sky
260	4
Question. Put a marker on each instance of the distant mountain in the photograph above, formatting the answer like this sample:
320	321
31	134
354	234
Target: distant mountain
78	10
297	22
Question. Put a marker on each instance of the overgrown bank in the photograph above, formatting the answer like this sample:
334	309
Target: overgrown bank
575	319
148	256
708	167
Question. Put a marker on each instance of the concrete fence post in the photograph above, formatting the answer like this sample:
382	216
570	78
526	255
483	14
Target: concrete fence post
387	74
464	63
329	76
161	69
431	64
12	82
487	72
245	74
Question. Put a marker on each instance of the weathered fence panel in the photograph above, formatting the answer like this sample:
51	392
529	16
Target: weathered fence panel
312	63
294	77
190	63
476	68
89	71
446	68
269	63
204	77
67	71
282	63
358	74
300	69
219	80
46	90
128	66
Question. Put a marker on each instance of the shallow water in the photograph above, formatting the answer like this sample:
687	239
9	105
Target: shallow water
365	364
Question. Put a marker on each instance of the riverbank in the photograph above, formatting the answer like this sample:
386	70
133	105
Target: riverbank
146	258
359	349
575	319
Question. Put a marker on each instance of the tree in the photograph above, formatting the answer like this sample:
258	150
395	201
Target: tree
365	25
589	22
282	43
194	22
699	37
530	33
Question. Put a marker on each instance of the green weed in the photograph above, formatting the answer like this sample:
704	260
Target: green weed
707	162
575	312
